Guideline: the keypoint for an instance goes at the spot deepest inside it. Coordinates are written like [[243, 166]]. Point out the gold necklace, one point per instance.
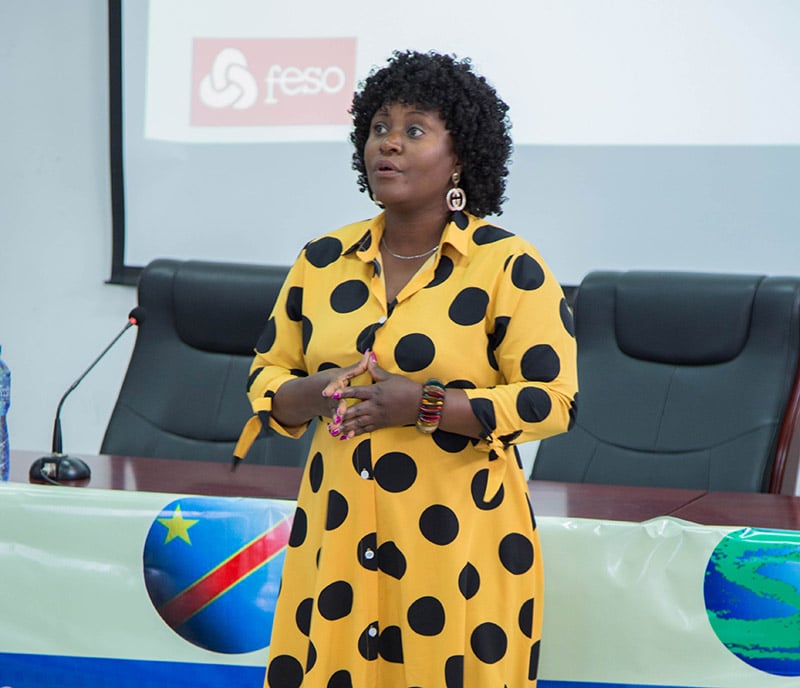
[[399, 257]]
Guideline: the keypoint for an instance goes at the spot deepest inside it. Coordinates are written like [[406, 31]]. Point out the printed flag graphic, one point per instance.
[[212, 569], [752, 595]]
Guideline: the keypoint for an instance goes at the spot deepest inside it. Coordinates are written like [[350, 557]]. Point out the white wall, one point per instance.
[[56, 313]]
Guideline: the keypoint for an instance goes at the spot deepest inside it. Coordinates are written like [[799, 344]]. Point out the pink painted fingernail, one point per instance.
[[374, 357], [337, 395], [337, 419], [335, 432]]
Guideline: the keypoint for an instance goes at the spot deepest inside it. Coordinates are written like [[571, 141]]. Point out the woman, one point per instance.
[[430, 342]]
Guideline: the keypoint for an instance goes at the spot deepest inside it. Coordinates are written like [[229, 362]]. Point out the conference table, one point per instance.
[[642, 583], [566, 500]]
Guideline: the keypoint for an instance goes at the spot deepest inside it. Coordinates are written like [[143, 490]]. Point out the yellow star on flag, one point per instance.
[[177, 526]]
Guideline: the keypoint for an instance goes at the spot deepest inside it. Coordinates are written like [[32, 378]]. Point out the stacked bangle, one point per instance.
[[430, 406]]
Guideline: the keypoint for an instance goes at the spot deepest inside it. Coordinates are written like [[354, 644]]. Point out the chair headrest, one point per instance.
[[683, 318], [222, 307]]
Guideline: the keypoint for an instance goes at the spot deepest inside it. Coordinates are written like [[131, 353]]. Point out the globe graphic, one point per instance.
[[752, 597]]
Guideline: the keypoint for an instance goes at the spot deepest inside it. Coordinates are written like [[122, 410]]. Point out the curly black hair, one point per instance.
[[473, 113]]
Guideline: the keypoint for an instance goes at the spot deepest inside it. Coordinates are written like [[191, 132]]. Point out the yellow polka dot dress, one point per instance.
[[414, 560]]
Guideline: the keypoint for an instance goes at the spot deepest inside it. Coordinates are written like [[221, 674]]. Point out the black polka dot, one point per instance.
[[511, 437], [311, 656], [489, 643], [316, 472], [533, 404], [526, 273], [252, 377], [341, 679], [461, 384], [488, 234], [349, 296], [391, 560], [323, 251], [284, 672], [469, 581], [308, 330], [533, 516], [337, 510], [299, 528], [366, 241], [439, 524], [336, 600], [369, 543], [367, 644], [478, 488], [526, 618], [566, 317], [484, 412], [362, 457], [426, 616], [294, 304], [454, 672], [573, 412], [302, 615], [366, 338], [533, 665], [460, 219], [469, 306], [516, 553], [390, 645], [495, 339], [395, 471], [267, 337], [540, 363], [449, 441], [414, 352], [443, 270]]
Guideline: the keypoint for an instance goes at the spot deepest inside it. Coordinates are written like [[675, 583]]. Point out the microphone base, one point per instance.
[[59, 468]]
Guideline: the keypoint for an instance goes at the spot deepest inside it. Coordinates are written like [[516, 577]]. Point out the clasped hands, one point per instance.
[[391, 400]]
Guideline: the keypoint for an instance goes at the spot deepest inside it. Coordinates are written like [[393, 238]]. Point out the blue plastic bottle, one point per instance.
[[5, 402]]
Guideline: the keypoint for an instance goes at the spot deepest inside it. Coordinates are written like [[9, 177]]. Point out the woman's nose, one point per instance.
[[391, 142]]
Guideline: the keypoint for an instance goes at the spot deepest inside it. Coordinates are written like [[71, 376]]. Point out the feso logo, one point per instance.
[[294, 81], [272, 82]]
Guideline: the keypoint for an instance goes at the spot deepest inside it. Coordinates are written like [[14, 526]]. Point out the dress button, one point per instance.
[[369, 554], [381, 320], [364, 473], [372, 631]]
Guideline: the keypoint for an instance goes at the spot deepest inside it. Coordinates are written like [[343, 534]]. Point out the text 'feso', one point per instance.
[[293, 81], [272, 81]]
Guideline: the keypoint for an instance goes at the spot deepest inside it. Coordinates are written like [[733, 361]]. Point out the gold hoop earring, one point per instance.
[[456, 198]]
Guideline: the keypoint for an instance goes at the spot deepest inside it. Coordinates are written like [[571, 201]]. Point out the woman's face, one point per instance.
[[409, 158]]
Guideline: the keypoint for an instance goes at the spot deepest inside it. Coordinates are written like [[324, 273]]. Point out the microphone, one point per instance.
[[58, 467]]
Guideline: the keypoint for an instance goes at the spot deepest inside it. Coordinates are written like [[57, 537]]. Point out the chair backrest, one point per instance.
[[686, 380], [184, 393]]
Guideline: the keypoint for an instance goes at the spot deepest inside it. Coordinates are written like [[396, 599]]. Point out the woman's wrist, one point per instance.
[[431, 404]]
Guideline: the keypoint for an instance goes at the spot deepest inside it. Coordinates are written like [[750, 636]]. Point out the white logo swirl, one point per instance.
[[229, 84]]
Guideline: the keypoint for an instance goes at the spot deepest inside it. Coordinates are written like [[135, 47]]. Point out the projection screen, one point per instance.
[[630, 119]]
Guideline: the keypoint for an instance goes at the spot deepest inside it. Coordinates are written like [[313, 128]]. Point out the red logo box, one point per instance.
[[272, 81]]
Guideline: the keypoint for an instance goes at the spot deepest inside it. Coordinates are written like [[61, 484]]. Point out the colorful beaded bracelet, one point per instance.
[[430, 406]]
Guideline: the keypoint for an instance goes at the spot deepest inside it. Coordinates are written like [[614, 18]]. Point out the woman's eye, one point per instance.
[[379, 128], [415, 131]]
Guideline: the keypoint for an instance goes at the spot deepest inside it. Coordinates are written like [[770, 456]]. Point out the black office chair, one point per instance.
[[184, 393], [686, 380]]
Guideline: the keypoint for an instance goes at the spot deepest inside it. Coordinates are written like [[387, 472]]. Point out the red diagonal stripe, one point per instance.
[[204, 591]]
